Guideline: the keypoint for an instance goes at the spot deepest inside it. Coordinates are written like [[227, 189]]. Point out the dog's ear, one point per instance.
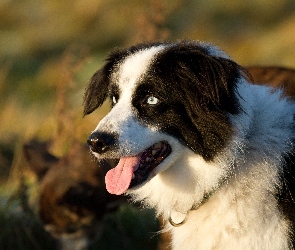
[[211, 85], [207, 82], [38, 157], [210, 93], [206, 87], [96, 91]]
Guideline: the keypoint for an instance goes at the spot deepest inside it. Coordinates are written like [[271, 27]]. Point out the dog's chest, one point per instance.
[[237, 226]]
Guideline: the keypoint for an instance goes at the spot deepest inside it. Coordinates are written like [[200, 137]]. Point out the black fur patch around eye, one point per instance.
[[197, 92]]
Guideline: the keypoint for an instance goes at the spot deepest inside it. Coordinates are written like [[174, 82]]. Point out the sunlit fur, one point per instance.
[[229, 140]]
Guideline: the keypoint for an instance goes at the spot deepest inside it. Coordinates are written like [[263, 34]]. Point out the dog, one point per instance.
[[210, 151], [72, 198]]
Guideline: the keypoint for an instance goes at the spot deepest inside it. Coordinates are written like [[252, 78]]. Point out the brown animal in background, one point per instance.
[[73, 198], [278, 77]]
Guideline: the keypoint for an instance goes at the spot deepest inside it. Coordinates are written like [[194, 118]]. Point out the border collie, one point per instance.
[[212, 153]]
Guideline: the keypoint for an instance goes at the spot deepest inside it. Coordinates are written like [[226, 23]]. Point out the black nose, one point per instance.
[[101, 142]]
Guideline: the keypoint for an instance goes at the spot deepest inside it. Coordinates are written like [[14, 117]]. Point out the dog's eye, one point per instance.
[[152, 100], [114, 99]]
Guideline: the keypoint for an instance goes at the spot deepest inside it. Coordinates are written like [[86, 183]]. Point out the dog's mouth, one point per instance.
[[134, 170]]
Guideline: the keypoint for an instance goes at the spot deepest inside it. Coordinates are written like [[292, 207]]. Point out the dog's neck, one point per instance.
[[184, 216], [187, 185], [238, 211], [197, 205]]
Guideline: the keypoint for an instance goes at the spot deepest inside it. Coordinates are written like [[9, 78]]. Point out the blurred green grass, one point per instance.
[[36, 38], [129, 228], [22, 232]]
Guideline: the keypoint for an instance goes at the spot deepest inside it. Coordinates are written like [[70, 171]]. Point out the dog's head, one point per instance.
[[166, 98]]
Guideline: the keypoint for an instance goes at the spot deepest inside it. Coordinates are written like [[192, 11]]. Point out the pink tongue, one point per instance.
[[118, 179]]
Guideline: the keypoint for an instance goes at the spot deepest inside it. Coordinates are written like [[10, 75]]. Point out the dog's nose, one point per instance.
[[100, 142]]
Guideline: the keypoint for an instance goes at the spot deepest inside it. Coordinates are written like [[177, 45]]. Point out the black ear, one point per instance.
[[207, 82], [213, 83], [211, 96], [96, 91], [206, 86], [38, 157]]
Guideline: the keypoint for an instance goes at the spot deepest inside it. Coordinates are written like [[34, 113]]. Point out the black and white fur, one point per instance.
[[231, 170]]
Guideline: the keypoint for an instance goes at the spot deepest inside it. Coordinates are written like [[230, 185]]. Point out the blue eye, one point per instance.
[[114, 100], [152, 100]]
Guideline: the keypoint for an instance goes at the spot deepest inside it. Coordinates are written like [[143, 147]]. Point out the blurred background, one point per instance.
[[50, 49]]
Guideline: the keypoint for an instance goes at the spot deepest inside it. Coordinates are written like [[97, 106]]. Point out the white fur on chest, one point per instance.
[[211, 230], [243, 214], [239, 216]]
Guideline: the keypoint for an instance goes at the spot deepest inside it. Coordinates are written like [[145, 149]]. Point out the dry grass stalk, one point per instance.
[[72, 61], [150, 25]]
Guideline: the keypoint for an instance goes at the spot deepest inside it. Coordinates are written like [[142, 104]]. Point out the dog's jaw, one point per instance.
[[187, 173], [134, 138], [135, 170]]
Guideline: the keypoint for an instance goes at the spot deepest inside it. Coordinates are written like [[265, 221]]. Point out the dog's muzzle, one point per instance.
[[100, 142]]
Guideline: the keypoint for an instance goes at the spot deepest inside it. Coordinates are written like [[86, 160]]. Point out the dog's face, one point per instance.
[[167, 99]]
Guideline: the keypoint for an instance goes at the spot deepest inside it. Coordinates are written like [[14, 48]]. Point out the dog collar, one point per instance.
[[194, 207], [205, 198]]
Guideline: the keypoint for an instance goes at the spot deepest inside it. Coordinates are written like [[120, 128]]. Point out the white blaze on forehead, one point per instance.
[[133, 137], [134, 67]]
